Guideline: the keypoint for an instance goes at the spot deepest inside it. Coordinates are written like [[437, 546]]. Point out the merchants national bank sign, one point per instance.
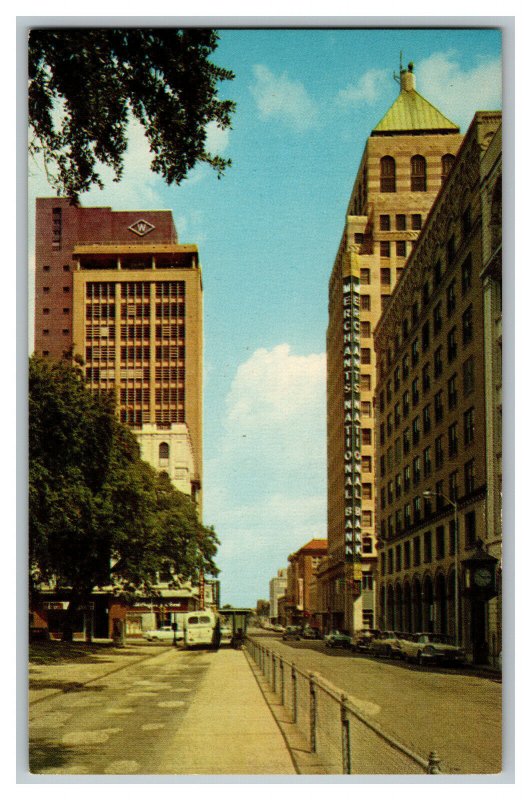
[[352, 421]]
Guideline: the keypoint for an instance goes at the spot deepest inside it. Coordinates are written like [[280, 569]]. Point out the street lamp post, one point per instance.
[[456, 560]]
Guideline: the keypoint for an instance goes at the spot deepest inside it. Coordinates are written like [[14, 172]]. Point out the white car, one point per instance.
[[163, 634], [431, 648]]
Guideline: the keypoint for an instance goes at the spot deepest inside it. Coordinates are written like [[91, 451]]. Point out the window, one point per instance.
[[450, 250], [367, 548], [390, 567], [390, 527], [385, 249], [405, 367], [438, 404], [416, 430], [439, 492], [470, 476], [401, 249], [452, 391], [366, 408], [389, 392], [415, 352], [468, 424], [437, 274], [437, 362], [66, 289], [439, 542], [426, 335], [452, 536], [45, 310], [365, 355], [427, 547], [366, 519], [359, 238], [366, 464], [382, 433], [426, 460], [437, 319], [405, 404], [439, 452], [398, 485], [426, 381], [398, 557], [452, 440], [415, 313], [365, 383], [66, 311], [387, 174], [470, 529], [446, 164], [426, 294], [66, 267], [450, 298], [66, 331], [397, 414], [45, 289], [164, 452], [416, 470], [366, 436], [385, 222], [382, 564], [416, 509], [466, 274], [57, 221], [398, 520], [406, 444], [467, 325], [396, 379], [415, 391], [405, 328], [468, 375], [407, 555], [366, 491], [46, 268], [382, 467], [365, 329], [453, 484], [385, 276], [418, 174], [401, 222], [365, 276], [416, 551], [466, 222], [426, 419], [407, 515], [416, 222], [452, 344], [365, 302], [427, 508]]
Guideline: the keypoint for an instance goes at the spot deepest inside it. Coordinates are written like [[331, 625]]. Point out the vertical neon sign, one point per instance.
[[351, 418]]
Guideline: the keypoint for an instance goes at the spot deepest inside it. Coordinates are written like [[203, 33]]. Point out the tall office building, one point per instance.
[[118, 289], [405, 162]]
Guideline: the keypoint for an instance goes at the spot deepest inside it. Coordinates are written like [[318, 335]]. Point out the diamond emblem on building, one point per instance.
[[141, 227]]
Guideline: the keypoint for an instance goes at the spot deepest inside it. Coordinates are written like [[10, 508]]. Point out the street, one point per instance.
[[447, 710]]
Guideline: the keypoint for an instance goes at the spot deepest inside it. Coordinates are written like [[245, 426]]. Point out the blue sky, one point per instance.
[[268, 233]]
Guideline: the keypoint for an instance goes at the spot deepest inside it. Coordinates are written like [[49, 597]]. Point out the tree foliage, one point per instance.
[[98, 514], [85, 83]]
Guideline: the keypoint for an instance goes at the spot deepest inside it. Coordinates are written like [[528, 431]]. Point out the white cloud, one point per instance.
[[265, 491], [277, 96], [217, 139], [460, 92], [365, 90]]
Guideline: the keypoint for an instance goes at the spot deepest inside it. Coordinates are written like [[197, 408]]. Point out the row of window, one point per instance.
[[400, 222], [421, 548], [400, 249], [385, 276], [46, 290], [418, 172], [422, 508]]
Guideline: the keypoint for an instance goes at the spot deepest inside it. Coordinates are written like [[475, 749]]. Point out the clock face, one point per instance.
[[482, 576]]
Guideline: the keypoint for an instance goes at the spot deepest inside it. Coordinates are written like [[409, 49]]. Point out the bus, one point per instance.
[[202, 629]]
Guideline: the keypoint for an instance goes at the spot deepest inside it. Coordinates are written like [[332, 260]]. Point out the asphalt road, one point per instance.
[[122, 723], [456, 713]]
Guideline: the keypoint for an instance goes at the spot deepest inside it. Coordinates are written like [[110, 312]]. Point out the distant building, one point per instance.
[[407, 158], [302, 567], [438, 401], [118, 289], [277, 588]]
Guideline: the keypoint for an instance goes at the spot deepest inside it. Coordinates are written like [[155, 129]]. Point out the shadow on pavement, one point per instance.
[[48, 653], [64, 686]]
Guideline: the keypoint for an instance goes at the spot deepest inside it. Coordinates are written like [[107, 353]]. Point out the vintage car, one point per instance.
[[387, 643], [338, 639], [163, 634], [292, 632], [362, 640], [431, 648], [311, 633]]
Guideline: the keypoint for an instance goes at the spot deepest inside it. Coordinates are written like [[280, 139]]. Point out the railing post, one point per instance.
[[281, 680], [313, 715], [345, 736], [274, 682], [294, 691], [434, 764]]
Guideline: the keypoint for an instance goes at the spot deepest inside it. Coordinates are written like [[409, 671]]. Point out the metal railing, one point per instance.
[[345, 740]]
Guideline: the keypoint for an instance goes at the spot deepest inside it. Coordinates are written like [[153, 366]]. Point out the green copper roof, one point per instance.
[[412, 112]]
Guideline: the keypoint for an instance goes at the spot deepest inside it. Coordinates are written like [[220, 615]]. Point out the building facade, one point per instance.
[[433, 484], [277, 588], [302, 566], [118, 289], [406, 160]]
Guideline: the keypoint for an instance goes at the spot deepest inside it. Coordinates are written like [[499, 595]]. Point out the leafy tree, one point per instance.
[[98, 514], [95, 78]]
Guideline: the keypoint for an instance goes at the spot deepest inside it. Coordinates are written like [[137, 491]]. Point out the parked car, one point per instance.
[[311, 633], [292, 632], [279, 628], [163, 634], [431, 648], [362, 640], [387, 643], [338, 639]]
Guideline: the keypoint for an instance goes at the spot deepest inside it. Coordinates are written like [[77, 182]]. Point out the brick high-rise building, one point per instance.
[[117, 289], [405, 162]]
